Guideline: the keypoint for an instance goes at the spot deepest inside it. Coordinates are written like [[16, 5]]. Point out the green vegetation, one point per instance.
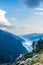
[[37, 49], [33, 45], [28, 55], [38, 60], [39, 46]]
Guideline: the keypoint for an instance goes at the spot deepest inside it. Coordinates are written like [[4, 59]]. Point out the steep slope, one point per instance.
[[38, 60], [10, 46]]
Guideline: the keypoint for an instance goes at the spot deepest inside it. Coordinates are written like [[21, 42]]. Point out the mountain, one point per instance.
[[10, 46], [33, 36], [33, 58]]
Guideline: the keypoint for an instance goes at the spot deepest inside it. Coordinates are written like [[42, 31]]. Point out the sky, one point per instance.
[[18, 13]]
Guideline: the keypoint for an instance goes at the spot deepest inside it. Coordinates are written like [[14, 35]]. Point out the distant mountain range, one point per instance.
[[33, 36], [29, 38], [10, 46]]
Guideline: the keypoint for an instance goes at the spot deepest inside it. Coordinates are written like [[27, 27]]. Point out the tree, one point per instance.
[[39, 45], [33, 45]]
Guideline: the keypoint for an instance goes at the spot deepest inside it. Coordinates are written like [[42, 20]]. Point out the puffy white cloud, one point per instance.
[[3, 20]]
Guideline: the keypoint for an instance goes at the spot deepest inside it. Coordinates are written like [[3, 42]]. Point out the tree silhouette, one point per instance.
[[39, 45], [33, 45]]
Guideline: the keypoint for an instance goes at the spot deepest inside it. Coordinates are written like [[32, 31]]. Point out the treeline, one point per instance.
[[38, 47]]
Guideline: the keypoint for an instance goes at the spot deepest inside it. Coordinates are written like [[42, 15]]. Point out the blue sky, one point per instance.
[[18, 13], [21, 12]]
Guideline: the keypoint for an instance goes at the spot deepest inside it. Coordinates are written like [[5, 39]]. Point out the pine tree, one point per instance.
[[33, 45], [39, 45]]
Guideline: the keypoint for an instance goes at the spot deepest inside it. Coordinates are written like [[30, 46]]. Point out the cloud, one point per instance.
[[3, 20], [39, 9], [22, 30], [33, 3], [38, 13], [14, 19]]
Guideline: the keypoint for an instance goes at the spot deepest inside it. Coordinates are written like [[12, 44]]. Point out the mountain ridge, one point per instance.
[[33, 36], [10, 47]]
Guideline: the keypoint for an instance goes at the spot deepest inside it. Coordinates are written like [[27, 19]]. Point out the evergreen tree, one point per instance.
[[33, 45], [39, 45]]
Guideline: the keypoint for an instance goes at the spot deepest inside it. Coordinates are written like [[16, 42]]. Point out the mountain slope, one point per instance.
[[10, 46]]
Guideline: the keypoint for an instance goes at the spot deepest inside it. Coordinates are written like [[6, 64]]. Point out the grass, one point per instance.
[[38, 60]]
